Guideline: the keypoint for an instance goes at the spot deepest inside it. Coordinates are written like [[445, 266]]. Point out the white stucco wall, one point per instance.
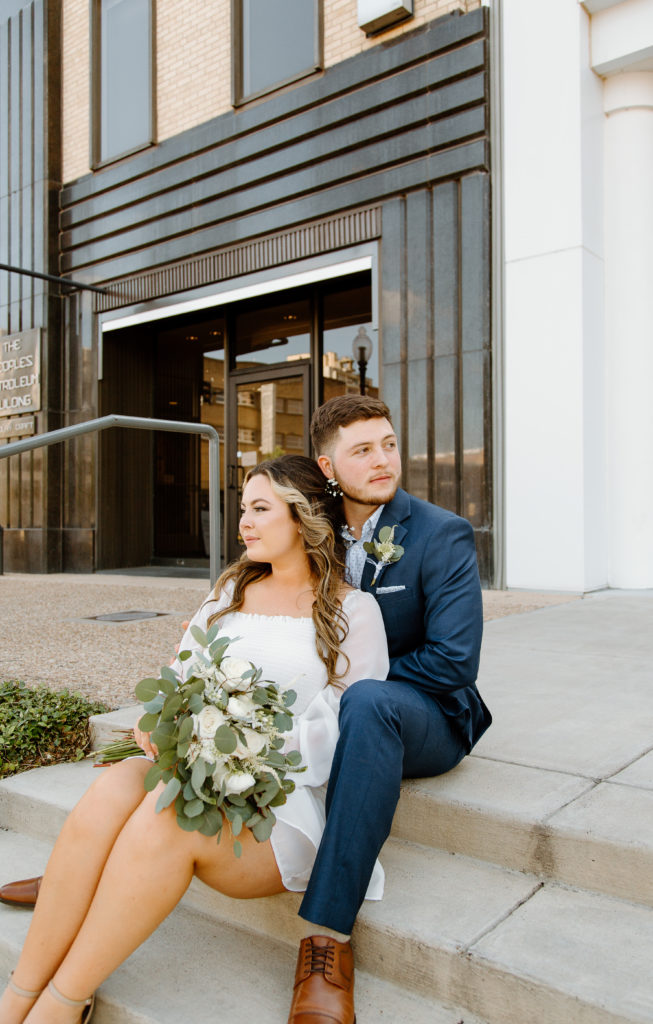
[[578, 322]]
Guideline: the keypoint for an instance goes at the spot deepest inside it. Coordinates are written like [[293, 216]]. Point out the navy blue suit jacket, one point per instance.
[[432, 609]]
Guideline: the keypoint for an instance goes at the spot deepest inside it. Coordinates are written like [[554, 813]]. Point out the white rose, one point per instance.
[[208, 722], [238, 782], [255, 743], [241, 707], [231, 671]]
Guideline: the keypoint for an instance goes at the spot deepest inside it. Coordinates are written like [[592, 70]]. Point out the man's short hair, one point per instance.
[[340, 412]]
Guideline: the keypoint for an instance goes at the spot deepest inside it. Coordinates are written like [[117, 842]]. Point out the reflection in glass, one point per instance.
[[275, 333], [278, 43], [126, 76]]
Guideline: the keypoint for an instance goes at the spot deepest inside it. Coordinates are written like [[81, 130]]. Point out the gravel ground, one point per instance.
[[47, 635]]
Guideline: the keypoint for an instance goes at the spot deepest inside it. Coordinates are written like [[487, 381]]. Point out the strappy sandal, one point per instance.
[[88, 1004], [17, 990]]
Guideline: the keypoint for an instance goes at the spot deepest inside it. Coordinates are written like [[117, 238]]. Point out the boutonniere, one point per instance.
[[384, 550]]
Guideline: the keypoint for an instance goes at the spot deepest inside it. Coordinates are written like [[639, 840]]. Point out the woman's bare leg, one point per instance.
[[71, 877], [147, 872]]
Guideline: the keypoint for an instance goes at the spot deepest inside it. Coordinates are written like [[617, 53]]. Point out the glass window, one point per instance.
[[278, 41], [122, 77]]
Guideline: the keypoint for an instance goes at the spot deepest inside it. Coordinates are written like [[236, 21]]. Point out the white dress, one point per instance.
[[284, 647]]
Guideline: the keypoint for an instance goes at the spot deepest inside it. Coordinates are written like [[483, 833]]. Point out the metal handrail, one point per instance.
[[142, 423]]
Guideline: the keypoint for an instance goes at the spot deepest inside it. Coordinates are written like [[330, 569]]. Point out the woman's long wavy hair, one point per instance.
[[299, 482]]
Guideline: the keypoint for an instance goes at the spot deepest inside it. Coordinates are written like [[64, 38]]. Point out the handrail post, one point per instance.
[[142, 423]]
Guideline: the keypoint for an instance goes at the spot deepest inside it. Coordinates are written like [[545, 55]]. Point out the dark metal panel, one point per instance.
[[445, 268], [5, 221], [224, 195], [392, 255], [417, 471], [31, 123], [362, 192], [453, 34], [372, 111], [445, 402], [475, 267]]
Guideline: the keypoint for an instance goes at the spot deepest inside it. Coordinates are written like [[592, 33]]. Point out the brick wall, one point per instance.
[[76, 100], [193, 62]]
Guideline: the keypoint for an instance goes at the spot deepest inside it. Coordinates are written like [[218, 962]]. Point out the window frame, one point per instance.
[[96, 159], [238, 97]]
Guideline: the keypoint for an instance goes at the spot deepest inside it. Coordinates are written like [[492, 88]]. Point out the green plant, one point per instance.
[[40, 726]]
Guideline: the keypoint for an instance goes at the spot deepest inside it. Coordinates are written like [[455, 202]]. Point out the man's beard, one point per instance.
[[362, 498]]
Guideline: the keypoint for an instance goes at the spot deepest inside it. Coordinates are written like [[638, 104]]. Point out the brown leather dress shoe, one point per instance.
[[324, 983], [22, 893]]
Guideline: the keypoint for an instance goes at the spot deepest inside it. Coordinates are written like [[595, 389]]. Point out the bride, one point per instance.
[[118, 868]]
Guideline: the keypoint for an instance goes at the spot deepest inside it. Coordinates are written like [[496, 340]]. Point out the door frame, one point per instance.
[[301, 369]]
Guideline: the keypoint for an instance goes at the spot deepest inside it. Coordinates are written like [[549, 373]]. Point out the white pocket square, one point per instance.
[[389, 590]]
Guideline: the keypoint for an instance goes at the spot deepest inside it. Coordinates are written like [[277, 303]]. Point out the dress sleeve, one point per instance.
[[315, 732]]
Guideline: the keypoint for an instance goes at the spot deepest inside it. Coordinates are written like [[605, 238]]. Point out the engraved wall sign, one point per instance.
[[23, 427], [20, 373]]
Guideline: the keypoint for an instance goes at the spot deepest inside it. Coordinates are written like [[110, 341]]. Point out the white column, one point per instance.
[[628, 104], [554, 414]]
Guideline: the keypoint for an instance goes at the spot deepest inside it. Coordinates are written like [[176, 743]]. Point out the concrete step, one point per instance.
[[556, 825], [451, 928], [206, 961]]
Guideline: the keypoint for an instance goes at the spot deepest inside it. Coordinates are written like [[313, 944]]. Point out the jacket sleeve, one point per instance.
[[448, 658]]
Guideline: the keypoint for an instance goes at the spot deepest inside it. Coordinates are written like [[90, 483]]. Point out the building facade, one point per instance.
[[463, 185], [249, 208]]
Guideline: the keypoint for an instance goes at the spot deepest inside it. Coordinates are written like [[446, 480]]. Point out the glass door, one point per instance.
[[269, 415]]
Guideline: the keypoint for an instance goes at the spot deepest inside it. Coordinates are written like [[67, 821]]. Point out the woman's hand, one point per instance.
[[143, 740]]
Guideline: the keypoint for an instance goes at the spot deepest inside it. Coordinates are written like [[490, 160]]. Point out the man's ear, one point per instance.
[[324, 462]]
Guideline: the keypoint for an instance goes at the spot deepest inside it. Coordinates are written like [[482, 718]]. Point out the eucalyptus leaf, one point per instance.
[[289, 698], [168, 673], [171, 707], [147, 689], [237, 800], [188, 792], [195, 703], [237, 825], [259, 695], [282, 721], [169, 793], [188, 824], [148, 722], [154, 706], [294, 757], [212, 632], [185, 655], [167, 687], [185, 730], [238, 849], [199, 773], [193, 808], [196, 686], [212, 822], [225, 740], [199, 635], [263, 829], [153, 778], [167, 758], [279, 799], [385, 533]]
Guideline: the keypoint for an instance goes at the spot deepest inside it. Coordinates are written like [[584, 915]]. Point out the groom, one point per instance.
[[422, 720]]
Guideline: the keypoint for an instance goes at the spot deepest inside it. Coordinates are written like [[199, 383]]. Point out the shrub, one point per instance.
[[41, 727]]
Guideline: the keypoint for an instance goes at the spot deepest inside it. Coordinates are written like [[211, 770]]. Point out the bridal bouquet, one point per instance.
[[218, 732]]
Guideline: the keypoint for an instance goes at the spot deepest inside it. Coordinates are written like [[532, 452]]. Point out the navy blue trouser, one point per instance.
[[388, 731]]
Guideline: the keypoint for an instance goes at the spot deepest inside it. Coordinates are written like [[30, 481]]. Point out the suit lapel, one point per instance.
[[394, 513]]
